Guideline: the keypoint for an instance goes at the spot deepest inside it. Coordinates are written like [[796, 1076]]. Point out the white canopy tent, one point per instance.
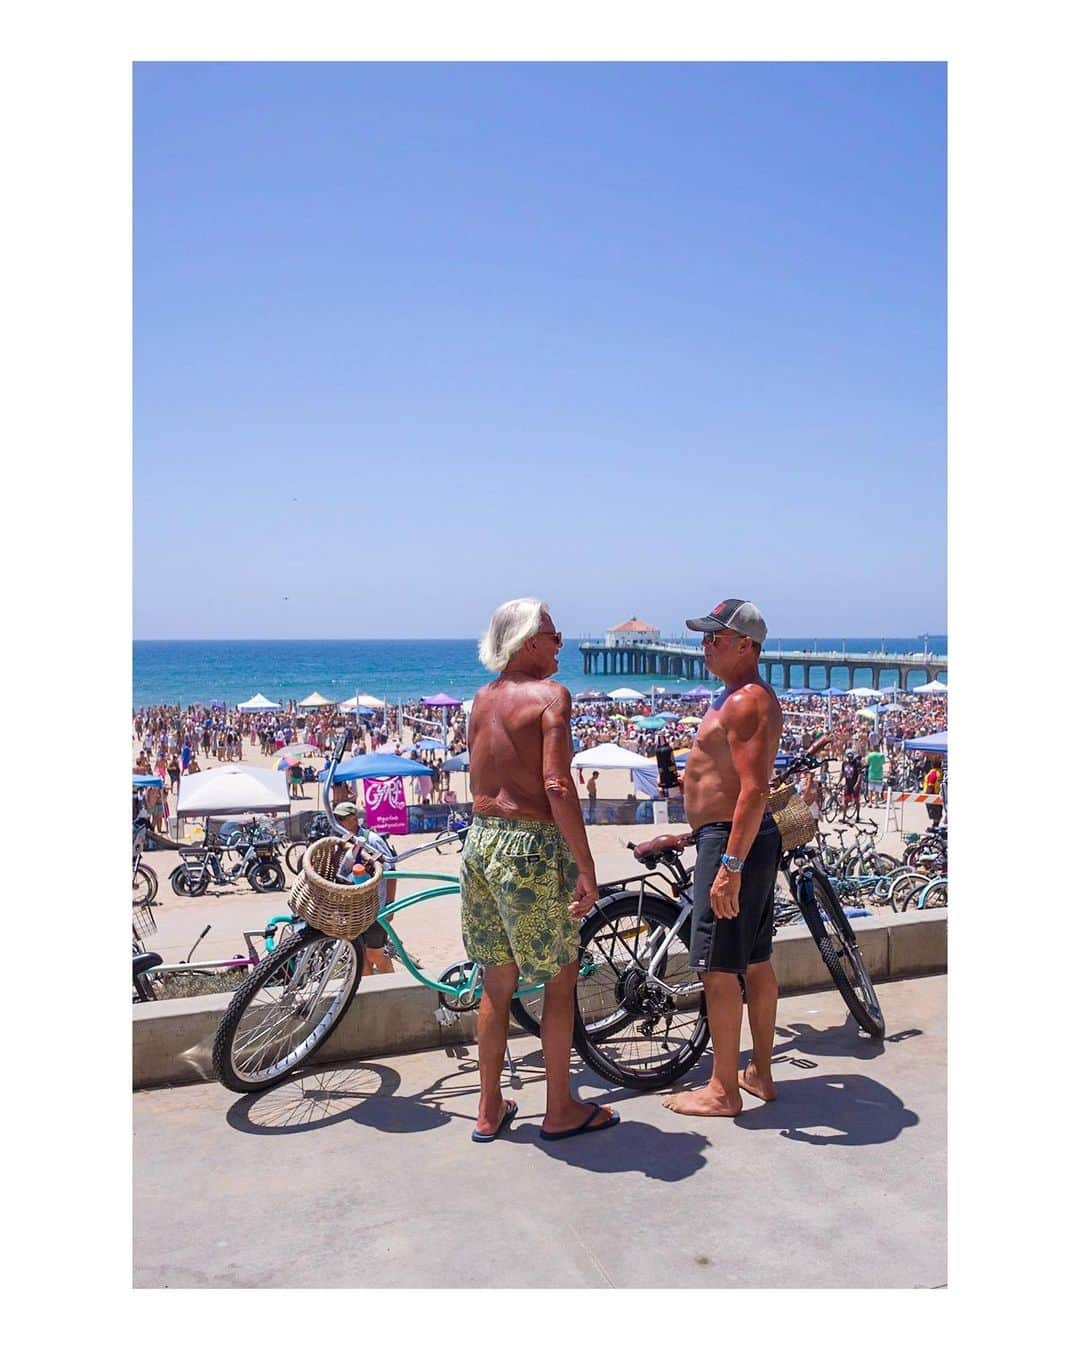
[[315, 700], [934, 687], [260, 703], [626, 695], [361, 701], [862, 692], [232, 789], [610, 756]]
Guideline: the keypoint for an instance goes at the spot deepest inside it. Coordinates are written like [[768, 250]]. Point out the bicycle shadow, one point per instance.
[[846, 1109], [319, 1097]]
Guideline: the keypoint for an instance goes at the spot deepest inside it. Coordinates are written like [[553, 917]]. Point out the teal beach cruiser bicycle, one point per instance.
[[292, 1001]]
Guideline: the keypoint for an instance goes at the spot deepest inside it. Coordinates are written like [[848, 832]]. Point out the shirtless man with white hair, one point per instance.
[[527, 874]]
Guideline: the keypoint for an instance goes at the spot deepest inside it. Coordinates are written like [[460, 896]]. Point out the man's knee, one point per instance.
[[500, 983], [760, 973]]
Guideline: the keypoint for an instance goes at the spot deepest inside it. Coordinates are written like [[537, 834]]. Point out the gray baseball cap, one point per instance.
[[739, 615]]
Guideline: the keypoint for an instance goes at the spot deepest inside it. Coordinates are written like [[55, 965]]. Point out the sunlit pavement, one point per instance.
[[364, 1175]]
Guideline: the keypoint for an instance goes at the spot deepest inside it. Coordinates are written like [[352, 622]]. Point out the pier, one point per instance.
[[678, 660]]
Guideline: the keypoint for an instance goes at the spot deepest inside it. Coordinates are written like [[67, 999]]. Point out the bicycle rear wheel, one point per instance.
[[835, 938], [294, 856], [635, 1031], [285, 1010]]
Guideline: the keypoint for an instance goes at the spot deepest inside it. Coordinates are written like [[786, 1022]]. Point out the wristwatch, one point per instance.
[[730, 861]]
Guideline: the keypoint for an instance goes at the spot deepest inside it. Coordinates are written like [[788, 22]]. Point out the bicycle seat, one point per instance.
[[663, 843], [143, 962]]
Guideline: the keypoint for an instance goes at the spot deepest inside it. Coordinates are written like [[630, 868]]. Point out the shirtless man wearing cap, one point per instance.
[[527, 874], [725, 787]]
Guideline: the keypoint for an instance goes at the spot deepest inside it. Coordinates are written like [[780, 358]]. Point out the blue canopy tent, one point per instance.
[[937, 744], [430, 743], [832, 691], [376, 766], [459, 763], [141, 780]]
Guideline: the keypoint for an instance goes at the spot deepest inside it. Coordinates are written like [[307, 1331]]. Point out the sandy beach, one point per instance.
[[430, 931]]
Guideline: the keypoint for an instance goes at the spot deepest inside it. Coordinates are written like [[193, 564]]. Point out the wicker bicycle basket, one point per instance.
[[793, 817], [340, 910]]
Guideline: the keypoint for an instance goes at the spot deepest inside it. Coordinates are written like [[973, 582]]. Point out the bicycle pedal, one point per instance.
[[445, 1016]]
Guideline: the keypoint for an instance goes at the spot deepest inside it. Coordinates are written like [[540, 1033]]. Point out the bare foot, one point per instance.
[[577, 1113], [706, 1101], [751, 1081]]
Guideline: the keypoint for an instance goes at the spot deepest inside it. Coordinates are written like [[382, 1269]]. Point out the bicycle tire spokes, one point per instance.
[[635, 1029]]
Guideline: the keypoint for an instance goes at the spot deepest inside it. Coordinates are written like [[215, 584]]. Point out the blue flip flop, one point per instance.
[[586, 1127], [508, 1115]]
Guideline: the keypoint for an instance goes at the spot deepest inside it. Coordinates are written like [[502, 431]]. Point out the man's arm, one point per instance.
[[752, 754], [563, 798]]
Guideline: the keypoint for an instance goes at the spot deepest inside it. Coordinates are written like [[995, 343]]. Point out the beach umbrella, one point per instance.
[[891, 707], [287, 762], [590, 694], [617, 717], [440, 701], [610, 756], [300, 748], [626, 695], [650, 723], [690, 721], [867, 712], [670, 717], [699, 692]]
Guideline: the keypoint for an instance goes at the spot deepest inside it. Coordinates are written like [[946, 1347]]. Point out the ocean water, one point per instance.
[[397, 670]]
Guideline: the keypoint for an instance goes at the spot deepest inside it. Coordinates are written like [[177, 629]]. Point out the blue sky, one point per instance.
[[412, 339]]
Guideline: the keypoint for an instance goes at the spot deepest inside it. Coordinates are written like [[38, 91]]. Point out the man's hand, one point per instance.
[[724, 893], [585, 896]]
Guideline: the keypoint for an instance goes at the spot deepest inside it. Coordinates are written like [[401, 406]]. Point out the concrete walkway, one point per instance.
[[364, 1175]]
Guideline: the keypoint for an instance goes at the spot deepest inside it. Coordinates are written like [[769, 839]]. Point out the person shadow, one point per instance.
[[843, 1109]]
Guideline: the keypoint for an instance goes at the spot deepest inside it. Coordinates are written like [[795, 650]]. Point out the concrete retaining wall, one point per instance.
[[172, 1040]]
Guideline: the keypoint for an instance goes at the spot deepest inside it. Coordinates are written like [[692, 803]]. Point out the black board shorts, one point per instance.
[[733, 944]]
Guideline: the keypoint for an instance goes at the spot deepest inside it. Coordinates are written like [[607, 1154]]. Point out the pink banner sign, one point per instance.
[[385, 808]]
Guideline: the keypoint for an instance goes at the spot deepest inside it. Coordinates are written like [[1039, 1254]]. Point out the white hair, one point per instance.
[[511, 624]]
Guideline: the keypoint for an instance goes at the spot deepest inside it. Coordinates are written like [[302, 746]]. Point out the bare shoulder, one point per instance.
[[748, 708], [554, 699]]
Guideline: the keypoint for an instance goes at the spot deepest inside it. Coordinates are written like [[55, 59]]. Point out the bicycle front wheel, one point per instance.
[[835, 938], [285, 1010], [294, 856], [638, 1031], [144, 885]]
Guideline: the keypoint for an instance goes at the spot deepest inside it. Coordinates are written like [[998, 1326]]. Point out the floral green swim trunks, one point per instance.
[[517, 882]]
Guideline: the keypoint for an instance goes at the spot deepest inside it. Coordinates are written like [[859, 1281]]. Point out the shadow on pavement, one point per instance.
[[362, 1093], [847, 1109], [632, 1146]]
